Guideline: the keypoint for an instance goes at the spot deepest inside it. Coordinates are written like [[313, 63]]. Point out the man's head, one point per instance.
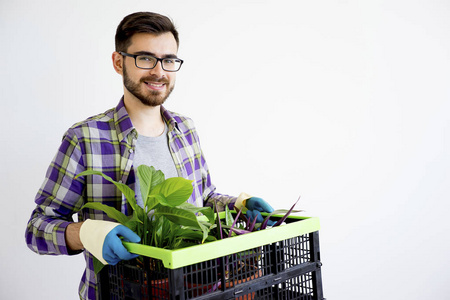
[[152, 36]]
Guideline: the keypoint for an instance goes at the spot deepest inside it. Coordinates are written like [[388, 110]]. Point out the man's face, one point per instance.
[[152, 87]]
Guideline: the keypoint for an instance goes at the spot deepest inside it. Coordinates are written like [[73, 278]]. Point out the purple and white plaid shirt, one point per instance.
[[106, 142]]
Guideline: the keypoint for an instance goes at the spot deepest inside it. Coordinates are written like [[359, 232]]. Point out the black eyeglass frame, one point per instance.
[[157, 60]]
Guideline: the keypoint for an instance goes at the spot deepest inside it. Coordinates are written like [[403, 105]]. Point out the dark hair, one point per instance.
[[142, 22]]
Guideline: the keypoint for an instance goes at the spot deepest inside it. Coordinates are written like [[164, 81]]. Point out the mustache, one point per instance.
[[154, 79]]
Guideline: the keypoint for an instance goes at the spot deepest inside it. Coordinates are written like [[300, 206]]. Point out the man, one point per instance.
[[138, 131]]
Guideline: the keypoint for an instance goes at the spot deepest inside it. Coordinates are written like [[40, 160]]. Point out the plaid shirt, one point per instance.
[[106, 142]]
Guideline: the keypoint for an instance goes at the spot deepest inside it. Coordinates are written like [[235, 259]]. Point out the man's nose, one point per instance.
[[158, 70]]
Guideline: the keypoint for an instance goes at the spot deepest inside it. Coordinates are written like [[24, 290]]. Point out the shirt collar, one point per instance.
[[122, 121], [124, 126], [170, 118]]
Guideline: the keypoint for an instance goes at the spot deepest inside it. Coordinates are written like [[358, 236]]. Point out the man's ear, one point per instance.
[[117, 59]]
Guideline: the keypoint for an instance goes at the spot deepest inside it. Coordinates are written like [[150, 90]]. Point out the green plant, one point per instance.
[[166, 220]]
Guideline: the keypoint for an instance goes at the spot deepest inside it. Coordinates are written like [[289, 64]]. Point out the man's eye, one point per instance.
[[146, 58], [169, 61]]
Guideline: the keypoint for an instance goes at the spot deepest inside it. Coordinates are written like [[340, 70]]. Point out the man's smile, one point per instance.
[[155, 85]]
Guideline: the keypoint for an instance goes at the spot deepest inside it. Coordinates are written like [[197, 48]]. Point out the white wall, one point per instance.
[[343, 102]]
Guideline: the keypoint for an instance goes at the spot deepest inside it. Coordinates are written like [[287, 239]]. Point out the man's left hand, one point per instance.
[[255, 206]]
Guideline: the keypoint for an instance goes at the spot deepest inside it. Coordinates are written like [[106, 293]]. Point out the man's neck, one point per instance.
[[146, 119]]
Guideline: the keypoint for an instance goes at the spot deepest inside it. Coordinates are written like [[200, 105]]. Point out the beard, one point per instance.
[[149, 98]]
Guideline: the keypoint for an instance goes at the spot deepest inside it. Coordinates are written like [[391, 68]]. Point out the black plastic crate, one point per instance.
[[286, 269]]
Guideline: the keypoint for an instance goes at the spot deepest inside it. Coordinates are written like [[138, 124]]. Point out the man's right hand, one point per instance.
[[103, 240]]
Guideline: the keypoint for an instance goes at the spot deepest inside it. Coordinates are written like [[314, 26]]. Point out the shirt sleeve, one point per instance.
[[210, 196], [59, 197], [220, 200]]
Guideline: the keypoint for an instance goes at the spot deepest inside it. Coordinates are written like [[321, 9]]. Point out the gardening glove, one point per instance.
[[102, 239], [254, 207]]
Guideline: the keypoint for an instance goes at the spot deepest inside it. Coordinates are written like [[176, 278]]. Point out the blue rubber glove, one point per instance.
[[113, 249], [102, 239], [255, 206]]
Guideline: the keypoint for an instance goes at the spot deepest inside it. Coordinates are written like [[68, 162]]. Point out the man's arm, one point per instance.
[[219, 200], [210, 196], [72, 236], [59, 197]]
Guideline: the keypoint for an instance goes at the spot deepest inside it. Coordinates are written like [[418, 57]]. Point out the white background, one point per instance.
[[345, 103]]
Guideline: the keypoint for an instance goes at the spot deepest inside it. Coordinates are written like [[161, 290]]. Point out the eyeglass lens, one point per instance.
[[149, 62]]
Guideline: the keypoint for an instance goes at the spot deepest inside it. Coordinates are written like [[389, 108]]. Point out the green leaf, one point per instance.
[[128, 192], [206, 210], [98, 265], [149, 177], [154, 200], [110, 211], [178, 216], [229, 220], [145, 174], [175, 190], [205, 232], [158, 177], [196, 235], [133, 223], [210, 226]]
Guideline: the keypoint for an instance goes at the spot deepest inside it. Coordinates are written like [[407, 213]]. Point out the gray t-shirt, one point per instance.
[[153, 151]]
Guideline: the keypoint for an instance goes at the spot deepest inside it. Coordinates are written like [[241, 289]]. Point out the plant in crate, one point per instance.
[[242, 266], [166, 220]]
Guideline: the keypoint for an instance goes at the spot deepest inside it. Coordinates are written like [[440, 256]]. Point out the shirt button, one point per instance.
[[131, 150]]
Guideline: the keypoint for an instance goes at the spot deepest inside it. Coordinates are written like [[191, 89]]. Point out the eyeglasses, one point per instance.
[[149, 62]]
